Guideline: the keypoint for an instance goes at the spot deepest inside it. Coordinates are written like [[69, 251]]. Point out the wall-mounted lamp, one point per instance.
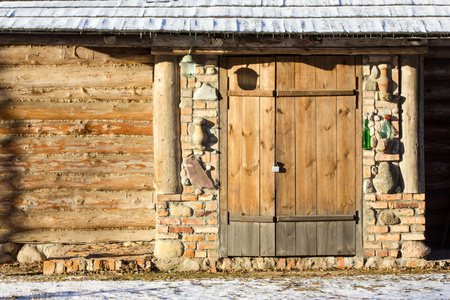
[[188, 63]]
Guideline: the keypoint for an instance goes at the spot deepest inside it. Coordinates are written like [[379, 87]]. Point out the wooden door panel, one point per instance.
[[312, 134]]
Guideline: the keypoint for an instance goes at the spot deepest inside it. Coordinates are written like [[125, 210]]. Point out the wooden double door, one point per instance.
[[294, 156]]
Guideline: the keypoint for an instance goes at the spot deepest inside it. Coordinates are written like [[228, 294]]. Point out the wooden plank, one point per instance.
[[345, 140], [264, 50], [306, 93], [244, 93], [85, 219], [76, 200], [79, 236], [252, 219], [62, 55], [250, 171], [306, 238], [32, 110], [82, 182], [77, 127], [326, 78], [285, 153], [183, 42], [99, 164], [75, 76], [306, 157], [55, 145], [358, 160], [141, 93], [315, 218], [223, 159], [234, 162], [267, 155]]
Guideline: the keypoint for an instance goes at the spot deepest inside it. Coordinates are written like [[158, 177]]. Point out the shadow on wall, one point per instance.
[[11, 174]]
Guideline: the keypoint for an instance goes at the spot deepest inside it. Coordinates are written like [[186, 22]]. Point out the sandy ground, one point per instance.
[[393, 286]]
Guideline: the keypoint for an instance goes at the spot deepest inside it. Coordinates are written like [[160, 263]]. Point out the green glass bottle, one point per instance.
[[366, 134]]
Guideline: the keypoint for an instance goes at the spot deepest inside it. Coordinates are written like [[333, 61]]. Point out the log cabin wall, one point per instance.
[[437, 144], [76, 144]]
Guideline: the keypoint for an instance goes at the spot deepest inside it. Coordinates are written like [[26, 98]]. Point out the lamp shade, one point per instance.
[[188, 66]]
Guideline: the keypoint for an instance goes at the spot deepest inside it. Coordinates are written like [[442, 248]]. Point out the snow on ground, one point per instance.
[[419, 286]]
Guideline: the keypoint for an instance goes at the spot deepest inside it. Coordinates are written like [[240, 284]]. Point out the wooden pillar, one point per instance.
[[166, 128], [411, 125]]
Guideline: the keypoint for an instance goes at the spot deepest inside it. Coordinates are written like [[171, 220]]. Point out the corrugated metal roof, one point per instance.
[[411, 17]]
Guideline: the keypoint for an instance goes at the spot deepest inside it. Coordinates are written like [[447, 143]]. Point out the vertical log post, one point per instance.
[[166, 126], [411, 115]]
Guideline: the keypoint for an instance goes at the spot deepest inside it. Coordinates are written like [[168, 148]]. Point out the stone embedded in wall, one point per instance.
[[190, 265], [370, 81], [385, 145], [197, 175], [387, 178], [179, 210], [29, 254], [415, 249], [388, 217], [368, 186], [168, 248], [205, 92], [6, 258], [10, 248], [369, 216]]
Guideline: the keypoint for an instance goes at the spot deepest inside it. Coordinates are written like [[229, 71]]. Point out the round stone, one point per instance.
[[387, 179], [387, 217], [415, 249], [168, 249], [179, 210]]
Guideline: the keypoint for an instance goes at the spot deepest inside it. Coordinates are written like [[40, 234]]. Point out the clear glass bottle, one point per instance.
[[385, 130]]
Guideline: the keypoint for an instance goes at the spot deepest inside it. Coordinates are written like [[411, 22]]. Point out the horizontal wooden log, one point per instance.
[[76, 200], [32, 110], [75, 76], [79, 236], [436, 68], [438, 52], [85, 219], [63, 55], [100, 164], [433, 181], [21, 182], [54, 145], [438, 168], [168, 50], [78, 128], [86, 40], [236, 42], [144, 94], [436, 111]]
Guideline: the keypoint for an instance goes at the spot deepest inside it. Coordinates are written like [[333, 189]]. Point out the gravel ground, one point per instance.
[[377, 286]]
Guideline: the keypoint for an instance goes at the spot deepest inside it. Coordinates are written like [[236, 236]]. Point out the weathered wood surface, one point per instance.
[[79, 236], [58, 144], [318, 158], [76, 142], [436, 142], [93, 164], [114, 110], [84, 219], [143, 93], [166, 125], [65, 55], [76, 128], [23, 182], [19, 77], [85, 40], [410, 123], [43, 200]]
